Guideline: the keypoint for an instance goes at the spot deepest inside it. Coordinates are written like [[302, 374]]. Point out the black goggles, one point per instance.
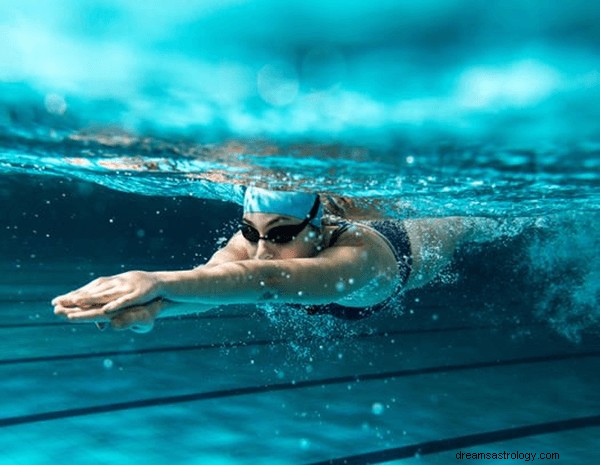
[[280, 234]]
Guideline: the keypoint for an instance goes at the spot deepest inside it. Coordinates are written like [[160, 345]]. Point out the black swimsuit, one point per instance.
[[394, 232]]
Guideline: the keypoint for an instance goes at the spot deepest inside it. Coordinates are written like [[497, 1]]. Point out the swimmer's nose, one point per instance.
[[264, 250]]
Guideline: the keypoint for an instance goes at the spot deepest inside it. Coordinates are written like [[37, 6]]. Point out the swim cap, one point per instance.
[[296, 204]]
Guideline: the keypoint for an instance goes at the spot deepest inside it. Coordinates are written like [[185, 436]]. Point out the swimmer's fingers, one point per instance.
[[78, 296], [91, 285], [74, 306], [126, 289], [81, 315], [98, 298], [66, 299], [128, 300], [82, 298], [98, 312], [64, 312], [98, 295]]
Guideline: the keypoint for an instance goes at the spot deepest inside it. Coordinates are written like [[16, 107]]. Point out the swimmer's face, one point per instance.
[[304, 245]]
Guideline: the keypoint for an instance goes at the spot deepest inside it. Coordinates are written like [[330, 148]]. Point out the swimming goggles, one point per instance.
[[280, 234]]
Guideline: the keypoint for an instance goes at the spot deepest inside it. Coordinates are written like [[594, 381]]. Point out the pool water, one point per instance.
[[460, 358], [127, 133], [234, 387]]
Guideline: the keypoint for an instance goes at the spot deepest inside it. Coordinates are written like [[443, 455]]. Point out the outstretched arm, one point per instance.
[[338, 273], [87, 301], [139, 318]]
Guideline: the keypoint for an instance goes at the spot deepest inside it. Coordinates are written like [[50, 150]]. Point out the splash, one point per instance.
[[565, 266], [309, 336]]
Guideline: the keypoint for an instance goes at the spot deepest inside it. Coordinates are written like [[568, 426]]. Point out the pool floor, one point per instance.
[[241, 385]]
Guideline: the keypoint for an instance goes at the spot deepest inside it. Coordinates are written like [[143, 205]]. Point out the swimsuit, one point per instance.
[[395, 235]]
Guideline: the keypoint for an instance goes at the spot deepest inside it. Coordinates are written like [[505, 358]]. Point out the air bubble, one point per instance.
[[377, 408], [55, 104], [304, 443], [278, 84]]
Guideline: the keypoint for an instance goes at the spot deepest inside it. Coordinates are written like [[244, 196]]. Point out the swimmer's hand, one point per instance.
[[105, 296], [139, 318]]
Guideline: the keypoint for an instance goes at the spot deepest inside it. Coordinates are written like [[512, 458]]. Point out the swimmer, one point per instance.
[[286, 251]]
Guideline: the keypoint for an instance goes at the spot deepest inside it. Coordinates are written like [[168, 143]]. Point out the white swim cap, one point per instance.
[[296, 204]]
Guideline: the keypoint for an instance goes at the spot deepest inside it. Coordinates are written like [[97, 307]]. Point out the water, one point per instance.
[[126, 131]]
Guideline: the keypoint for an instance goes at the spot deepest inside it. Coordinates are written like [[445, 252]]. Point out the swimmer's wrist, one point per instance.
[[163, 280], [174, 284]]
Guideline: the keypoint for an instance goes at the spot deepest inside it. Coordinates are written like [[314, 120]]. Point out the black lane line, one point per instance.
[[216, 345], [462, 442], [203, 316], [75, 325], [170, 400], [32, 325], [233, 345], [48, 324]]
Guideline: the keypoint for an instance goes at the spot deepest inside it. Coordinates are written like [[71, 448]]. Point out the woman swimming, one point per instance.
[[286, 252]]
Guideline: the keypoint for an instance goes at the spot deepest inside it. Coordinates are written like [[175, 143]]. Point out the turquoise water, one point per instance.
[[126, 131]]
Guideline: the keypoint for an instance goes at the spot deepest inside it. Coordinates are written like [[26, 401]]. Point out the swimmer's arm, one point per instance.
[[128, 316], [233, 251], [87, 303], [331, 276], [340, 273]]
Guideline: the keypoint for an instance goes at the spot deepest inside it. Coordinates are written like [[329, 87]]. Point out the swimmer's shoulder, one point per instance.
[[234, 250], [352, 234]]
